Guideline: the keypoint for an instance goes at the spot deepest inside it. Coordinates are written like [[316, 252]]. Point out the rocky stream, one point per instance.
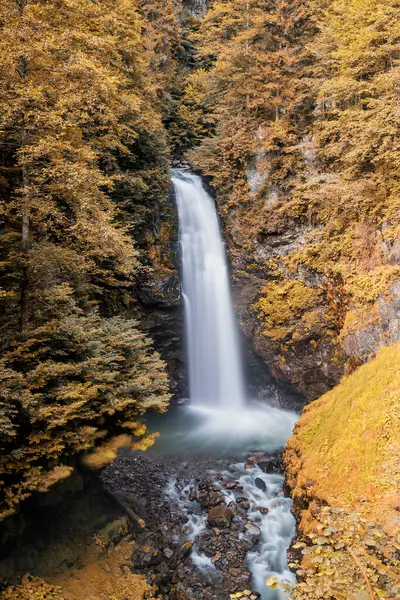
[[209, 527]]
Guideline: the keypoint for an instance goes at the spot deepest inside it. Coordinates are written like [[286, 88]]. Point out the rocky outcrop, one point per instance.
[[197, 8], [158, 292], [306, 363], [311, 322], [368, 329]]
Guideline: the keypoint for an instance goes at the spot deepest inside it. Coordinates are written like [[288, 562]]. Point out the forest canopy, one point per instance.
[[83, 164]]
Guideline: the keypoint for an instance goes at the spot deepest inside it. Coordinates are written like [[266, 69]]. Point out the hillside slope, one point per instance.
[[343, 470]]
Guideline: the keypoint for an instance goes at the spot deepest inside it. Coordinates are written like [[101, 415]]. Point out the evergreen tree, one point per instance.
[[66, 387]]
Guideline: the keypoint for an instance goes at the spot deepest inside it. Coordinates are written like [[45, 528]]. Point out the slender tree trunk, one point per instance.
[[24, 290], [24, 287]]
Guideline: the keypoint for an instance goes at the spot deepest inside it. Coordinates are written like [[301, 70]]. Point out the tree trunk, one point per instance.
[[24, 288]]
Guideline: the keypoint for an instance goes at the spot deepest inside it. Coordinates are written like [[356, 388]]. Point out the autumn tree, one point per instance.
[[83, 156], [73, 383], [71, 109], [254, 90]]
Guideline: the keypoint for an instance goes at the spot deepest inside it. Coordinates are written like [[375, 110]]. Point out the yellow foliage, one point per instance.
[[33, 588], [101, 378], [282, 303], [348, 442], [342, 466], [107, 452]]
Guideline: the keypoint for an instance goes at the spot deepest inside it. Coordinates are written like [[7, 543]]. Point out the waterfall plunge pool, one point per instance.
[[191, 430]]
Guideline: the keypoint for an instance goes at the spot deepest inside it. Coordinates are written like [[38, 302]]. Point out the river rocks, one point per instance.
[[199, 526], [260, 483], [230, 485], [208, 495], [252, 530], [243, 503], [168, 553], [220, 516], [263, 510]]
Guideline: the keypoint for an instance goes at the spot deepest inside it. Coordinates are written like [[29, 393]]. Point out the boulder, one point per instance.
[[220, 516]]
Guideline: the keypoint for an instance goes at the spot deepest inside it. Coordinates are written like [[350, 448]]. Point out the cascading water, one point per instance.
[[219, 418], [215, 370]]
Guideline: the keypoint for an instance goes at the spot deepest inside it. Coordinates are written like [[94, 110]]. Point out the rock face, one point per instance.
[[309, 324], [158, 295], [376, 327], [306, 367]]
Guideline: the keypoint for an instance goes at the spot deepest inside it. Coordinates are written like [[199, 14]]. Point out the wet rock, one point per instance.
[[186, 548], [192, 494], [257, 458], [260, 483], [146, 557], [252, 530], [243, 503], [220, 516], [208, 496], [230, 485], [216, 558], [217, 532], [271, 463], [263, 510]]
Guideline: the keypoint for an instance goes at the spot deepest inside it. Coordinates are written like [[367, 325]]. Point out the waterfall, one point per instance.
[[215, 369]]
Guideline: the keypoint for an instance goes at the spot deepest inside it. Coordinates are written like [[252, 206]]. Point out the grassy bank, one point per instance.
[[343, 469]]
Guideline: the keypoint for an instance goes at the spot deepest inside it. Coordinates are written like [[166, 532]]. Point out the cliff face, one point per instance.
[[197, 8], [158, 294], [310, 319]]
